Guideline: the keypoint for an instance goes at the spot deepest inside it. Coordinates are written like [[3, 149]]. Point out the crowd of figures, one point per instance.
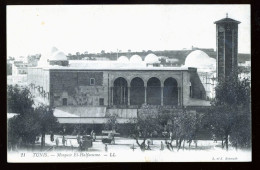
[[84, 141]]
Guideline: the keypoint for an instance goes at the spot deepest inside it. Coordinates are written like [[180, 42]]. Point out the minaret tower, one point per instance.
[[227, 44]]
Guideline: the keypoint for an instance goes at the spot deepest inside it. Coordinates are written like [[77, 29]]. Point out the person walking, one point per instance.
[[162, 146], [94, 136], [52, 137], [57, 141], [78, 138], [63, 140]]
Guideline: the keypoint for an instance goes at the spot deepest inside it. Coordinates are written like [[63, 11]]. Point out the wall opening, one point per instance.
[[137, 91], [154, 91], [64, 101], [120, 96], [170, 92]]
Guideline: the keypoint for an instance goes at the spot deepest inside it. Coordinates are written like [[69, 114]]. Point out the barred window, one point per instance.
[[92, 81]]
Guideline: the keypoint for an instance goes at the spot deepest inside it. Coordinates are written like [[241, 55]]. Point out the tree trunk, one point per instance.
[[226, 142], [183, 144], [43, 140], [222, 143], [179, 144], [142, 145]]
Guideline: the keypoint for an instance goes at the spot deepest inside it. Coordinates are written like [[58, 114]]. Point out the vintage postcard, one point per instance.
[[129, 83]]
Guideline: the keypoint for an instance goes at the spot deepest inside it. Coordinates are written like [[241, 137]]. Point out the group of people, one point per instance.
[[80, 139], [57, 141]]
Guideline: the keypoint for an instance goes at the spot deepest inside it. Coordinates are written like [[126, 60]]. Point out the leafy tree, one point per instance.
[[46, 121], [24, 127], [19, 100], [146, 124], [183, 124], [111, 123], [231, 109], [30, 121]]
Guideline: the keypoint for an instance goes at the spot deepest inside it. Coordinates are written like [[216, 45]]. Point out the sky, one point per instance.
[[35, 29]]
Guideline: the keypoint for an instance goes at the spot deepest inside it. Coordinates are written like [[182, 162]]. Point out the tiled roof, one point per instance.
[[227, 20]]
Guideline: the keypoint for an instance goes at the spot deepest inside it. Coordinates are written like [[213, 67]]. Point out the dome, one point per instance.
[[200, 60], [53, 55], [151, 58], [53, 50], [123, 59], [135, 59], [58, 55]]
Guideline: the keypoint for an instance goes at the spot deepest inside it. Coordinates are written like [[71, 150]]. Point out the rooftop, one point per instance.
[[227, 20], [117, 68]]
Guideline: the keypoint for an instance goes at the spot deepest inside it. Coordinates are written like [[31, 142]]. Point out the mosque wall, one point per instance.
[[198, 89], [75, 87]]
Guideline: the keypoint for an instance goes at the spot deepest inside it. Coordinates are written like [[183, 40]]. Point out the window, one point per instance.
[[92, 81], [64, 101], [101, 101]]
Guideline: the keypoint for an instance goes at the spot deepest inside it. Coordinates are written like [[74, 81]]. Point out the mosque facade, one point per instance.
[[89, 90]]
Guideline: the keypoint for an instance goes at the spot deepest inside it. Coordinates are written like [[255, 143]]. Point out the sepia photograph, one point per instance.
[[129, 83]]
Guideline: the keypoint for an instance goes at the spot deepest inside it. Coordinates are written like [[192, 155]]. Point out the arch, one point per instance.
[[137, 93], [170, 92], [154, 91], [120, 94]]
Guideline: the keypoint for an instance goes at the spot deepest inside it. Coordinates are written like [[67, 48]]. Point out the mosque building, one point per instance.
[[87, 91]]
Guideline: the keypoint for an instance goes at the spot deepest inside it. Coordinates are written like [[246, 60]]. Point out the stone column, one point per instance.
[[128, 96], [162, 96], [112, 94], [179, 96], [145, 88]]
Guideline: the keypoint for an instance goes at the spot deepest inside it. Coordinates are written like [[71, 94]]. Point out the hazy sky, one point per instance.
[[35, 29]]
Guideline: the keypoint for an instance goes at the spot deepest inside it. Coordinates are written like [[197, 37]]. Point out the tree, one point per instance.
[[23, 126], [111, 123], [46, 121], [230, 110], [183, 124], [146, 124], [30, 121], [19, 100]]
